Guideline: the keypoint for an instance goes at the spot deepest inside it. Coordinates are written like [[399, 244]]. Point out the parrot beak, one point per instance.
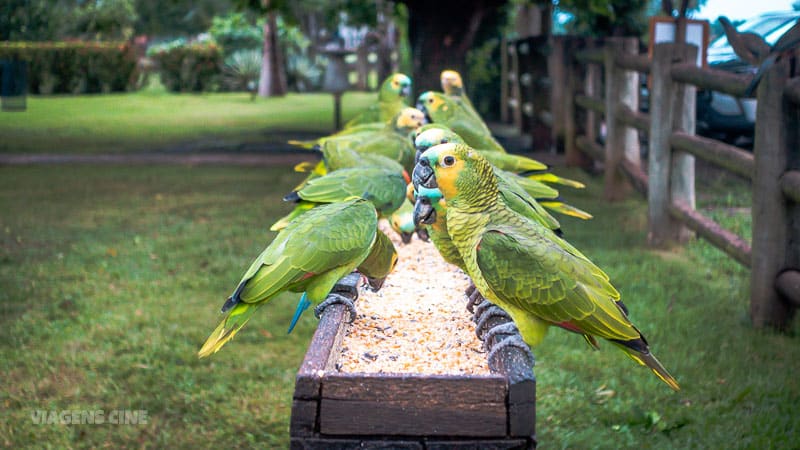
[[419, 153], [421, 107], [375, 284], [405, 91], [422, 233], [423, 175], [406, 237], [423, 212]]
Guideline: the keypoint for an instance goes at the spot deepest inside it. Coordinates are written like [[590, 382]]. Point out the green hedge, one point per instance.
[[194, 67], [75, 67]]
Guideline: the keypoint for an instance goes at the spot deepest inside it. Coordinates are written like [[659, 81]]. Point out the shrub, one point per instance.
[[75, 67], [188, 67], [242, 70]]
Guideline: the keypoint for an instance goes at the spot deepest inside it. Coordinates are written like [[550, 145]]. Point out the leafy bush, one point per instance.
[[235, 32], [75, 67], [242, 70], [188, 67]]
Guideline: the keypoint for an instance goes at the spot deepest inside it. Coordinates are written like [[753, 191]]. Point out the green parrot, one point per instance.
[[335, 157], [522, 266], [386, 189], [392, 97], [402, 222], [453, 86], [524, 187], [353, 133], [405, 121], [440, 108], [309, 256], [435, 133]]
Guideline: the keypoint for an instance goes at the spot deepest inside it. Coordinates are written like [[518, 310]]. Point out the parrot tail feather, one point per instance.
[[563, 208], [228, 328], [309, 145], [637, 350], [548, 177]]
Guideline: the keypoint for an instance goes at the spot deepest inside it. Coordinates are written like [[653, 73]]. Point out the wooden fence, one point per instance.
[[599, 84]]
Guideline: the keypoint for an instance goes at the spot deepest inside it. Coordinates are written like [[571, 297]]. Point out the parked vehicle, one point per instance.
[[725, 117]]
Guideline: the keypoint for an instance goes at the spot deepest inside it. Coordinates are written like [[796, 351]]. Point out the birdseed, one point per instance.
[[417, 322]]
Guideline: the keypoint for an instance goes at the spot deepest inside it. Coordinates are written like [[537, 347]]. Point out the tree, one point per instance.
[[442, 32]]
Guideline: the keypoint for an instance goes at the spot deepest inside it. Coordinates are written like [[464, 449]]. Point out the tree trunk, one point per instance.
[[441, 33], [272, 82]]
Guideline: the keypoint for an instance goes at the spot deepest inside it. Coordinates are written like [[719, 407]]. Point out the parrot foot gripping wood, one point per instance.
[[334, 409]]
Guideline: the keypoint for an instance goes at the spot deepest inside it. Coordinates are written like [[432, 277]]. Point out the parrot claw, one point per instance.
[[488, 317], [423, 235], [507, 329], [333, 299], [500, 352], [473, 298]]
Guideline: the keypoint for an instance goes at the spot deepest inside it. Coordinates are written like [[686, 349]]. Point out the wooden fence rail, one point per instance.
[[667, 181]]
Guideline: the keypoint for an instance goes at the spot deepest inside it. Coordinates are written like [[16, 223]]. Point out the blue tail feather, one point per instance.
[[302, 305]]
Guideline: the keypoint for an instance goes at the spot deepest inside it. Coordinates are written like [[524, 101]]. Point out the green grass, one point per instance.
[[153, 119], [112, 277]]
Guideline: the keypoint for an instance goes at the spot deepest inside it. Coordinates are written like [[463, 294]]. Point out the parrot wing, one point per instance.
[[537, 276]]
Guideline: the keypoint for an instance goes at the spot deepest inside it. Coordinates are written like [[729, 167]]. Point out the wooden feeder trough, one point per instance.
[[337, 410]]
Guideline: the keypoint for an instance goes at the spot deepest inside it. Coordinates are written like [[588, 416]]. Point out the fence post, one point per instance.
[[591, 88], [772, 240], [557, 73], [671, 177], [504, 80], [621, 141]]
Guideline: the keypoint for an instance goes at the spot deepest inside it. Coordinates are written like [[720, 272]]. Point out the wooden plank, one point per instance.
[[636, 176], [413, 405], [494, 444], [522, 407], [635, 62], [727, 156], [362, 417], [591, 148], [790, 185], [664, 106], [729, 242], [590, 55], [792, 90], [516, 366], [711, 79], [303, 421], [434, 390], [352, 444], [622, 87], [772, 240], [681, 177], [635, 119], [591, 103], [788, 285], [324, 346]]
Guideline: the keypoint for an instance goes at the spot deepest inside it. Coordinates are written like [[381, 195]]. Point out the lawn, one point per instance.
[[155, 120], [112, 278]]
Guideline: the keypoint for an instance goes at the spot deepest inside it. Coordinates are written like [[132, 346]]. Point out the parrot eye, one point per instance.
[[430, 100], [448, 161]]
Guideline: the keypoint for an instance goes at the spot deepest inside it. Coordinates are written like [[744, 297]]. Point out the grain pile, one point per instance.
[[417, 322]]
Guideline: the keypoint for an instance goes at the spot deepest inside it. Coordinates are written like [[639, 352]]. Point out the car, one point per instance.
[[722, 116]]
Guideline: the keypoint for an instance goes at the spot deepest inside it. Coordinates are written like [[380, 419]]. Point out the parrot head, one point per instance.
[[453, 168], [436, 106], [451, 83], [395, 85], [402, 222], [380, 262], [431, 135], [409, 119], [429, 205]]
